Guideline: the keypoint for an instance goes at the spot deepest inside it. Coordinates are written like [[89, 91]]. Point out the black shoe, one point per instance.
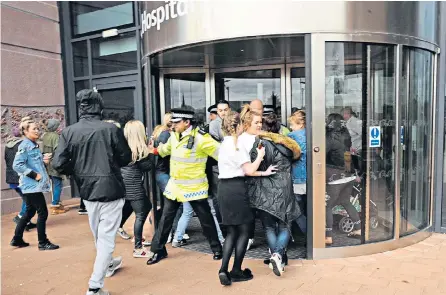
[[30, 226], [82, 212], [19, 243], [16, 219], [157, 257], [217, 256], [285, 259], [225, 278], [47, 246], [241, 276]]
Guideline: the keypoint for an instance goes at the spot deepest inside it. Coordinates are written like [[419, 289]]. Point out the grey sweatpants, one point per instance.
[[104, 219]]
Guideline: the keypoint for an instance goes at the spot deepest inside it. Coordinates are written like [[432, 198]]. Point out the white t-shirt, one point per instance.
[[230, 160], [245, 143]]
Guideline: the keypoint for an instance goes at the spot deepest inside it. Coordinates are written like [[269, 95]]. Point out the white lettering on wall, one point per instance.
[[156, 17]]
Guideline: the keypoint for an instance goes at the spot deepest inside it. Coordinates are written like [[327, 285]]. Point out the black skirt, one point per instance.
[[234, 202]]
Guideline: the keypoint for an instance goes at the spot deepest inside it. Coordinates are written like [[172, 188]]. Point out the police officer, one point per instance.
[[189, 148], [212, 110]]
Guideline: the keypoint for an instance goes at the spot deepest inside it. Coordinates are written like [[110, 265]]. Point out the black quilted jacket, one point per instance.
[[133, 175], [274, 194]]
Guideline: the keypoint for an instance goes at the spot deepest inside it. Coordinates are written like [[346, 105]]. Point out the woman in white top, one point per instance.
[[234, 163]]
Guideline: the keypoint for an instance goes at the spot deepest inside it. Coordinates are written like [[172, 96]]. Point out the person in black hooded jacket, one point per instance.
[[93, 152], [273, 196], [338, 177]]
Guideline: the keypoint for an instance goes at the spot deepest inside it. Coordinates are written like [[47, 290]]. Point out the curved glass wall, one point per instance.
[[416, 137]]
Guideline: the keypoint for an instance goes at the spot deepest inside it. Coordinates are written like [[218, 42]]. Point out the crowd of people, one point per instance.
[[242, 166]]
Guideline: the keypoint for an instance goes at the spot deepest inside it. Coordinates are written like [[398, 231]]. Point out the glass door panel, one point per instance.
[[119, 104], [186, 90], [297, 89], [416, 132], [241, 87], [359, 95]]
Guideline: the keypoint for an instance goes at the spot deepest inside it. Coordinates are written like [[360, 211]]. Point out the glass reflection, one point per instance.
[[186, 91]]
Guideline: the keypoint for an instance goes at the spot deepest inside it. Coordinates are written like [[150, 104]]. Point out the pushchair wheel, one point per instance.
[[346, 224], [374, 222]]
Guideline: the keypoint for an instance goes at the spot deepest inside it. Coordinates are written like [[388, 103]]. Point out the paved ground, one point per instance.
[[418, 269]]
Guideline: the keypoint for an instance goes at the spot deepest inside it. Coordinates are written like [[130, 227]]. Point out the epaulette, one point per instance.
[[203, 130]]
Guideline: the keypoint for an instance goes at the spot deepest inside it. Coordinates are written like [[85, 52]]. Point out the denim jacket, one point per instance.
[[27, 163], [299, 168]]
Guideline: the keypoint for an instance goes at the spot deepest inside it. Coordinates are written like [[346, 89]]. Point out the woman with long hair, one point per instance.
[[29, 163], [234, 163], [133, 175], [273, 196]]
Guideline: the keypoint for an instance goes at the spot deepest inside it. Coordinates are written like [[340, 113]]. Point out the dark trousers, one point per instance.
[[34, 202], [339, 194], [82, 205], [141, 208], [201, 208]]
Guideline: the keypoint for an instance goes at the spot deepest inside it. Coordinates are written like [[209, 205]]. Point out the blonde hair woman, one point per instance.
[[133, 174], [29, 163], [234, 163], [166, 126]]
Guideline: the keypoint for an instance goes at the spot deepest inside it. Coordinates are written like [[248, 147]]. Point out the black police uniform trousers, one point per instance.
[[203, 211]]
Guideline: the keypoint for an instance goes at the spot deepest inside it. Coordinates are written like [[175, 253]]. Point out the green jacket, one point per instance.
[[50, 141]]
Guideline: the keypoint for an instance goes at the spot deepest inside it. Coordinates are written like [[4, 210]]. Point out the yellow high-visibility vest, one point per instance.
[[188, 181]]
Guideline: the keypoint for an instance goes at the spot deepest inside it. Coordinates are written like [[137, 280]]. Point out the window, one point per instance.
[[80, 59], [114, 55], [186, 91], [241, 88], [89, 16]]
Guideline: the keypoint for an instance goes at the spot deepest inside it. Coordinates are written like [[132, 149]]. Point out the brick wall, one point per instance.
[[32, 79]]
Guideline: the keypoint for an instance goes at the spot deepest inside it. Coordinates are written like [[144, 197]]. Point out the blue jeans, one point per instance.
[[57, 189], [188, 213], [17, 189], [277, 233]]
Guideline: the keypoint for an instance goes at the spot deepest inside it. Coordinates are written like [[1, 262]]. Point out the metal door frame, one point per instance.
[[316, 96]]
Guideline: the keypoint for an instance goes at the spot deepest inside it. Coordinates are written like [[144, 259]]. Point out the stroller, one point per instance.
[[345, 223]]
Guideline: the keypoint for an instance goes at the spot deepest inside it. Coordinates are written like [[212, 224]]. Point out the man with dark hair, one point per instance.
[[93, 152], [189, 147], [215, 126]]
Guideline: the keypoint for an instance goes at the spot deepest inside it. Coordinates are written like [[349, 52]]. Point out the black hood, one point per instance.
[[90, 103]]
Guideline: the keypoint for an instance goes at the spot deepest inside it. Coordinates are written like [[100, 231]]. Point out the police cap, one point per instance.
[[181, 114]]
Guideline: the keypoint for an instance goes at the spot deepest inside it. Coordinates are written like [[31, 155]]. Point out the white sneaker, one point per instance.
[[250, 242], [186, 237], [276, 261], [145, 243], [124, 234], [141, 253], [100, 292], [169, 240], [115, 264]]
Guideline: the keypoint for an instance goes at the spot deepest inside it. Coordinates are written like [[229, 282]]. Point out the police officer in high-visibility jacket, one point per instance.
[[189, 148]]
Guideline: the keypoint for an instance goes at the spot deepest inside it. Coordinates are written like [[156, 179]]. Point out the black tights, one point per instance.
[[236, 238]]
